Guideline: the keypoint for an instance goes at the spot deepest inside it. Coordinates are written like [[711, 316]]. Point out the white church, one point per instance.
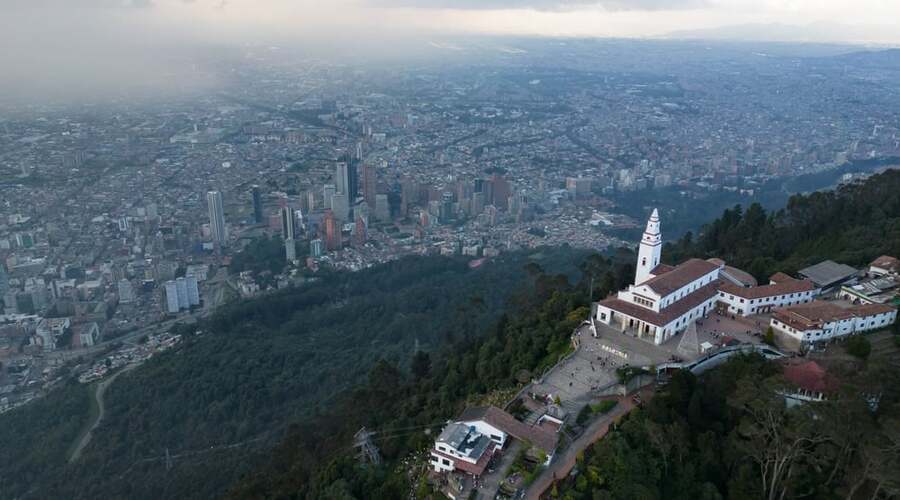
[[664, 300]]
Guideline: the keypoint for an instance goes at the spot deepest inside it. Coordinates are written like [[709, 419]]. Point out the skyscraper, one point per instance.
[[359, 232], [316, 248], [328, 192], [369, 180], [288, 224], [340, 205], [332, 232], [4, 280], [171, 297], [257, 205], [193, 290], [446, 210], [500, 191], [181, 293], [342, 177], [290, 249], [217, 217]]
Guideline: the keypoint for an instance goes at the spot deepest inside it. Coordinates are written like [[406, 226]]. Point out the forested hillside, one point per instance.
[[289, 377], [251, 371], [692, 442], [729, 435], [853, 224]]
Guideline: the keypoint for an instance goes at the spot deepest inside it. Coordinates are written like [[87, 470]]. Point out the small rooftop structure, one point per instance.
[[885, 265], [809, 376], [827, 274]]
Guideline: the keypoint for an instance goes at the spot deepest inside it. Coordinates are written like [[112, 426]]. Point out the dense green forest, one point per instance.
[[308, 465], [730, 435], [700, 427], [289, 377], [853, 225], [256, 367]]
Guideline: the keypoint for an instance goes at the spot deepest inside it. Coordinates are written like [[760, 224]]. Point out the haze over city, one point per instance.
[[464, 249], [55, 48]]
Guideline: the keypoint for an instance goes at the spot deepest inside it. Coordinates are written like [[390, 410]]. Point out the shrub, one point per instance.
[[605, 406], [858, 346]]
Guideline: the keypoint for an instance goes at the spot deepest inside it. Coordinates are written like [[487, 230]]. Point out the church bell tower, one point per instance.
[[650, 250]]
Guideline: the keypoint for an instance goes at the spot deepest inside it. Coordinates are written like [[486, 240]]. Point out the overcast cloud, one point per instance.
[[71, 46]]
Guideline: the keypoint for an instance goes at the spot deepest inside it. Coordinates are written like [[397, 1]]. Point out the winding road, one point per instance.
[[101, 409]]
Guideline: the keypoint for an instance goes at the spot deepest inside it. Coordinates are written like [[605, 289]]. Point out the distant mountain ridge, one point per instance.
[[821, 32]]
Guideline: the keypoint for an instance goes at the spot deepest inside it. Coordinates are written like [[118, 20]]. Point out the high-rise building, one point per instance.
[[290, 249], [369, 181], [446, 208], [181, 293], [4, 280], [359, 232], [171, 297], [126, 292], [193, 289], [257, 205], [310, 201], [332, 232], [382, 208], [477, 203], [500, 191], [342, 177], [316, 248], [217, 217], [340, 205], [288, 223], [328, 192]]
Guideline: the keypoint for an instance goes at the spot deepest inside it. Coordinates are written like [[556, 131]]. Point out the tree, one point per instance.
[[778, 440], [421, 364], [770, 336], [858, 346]]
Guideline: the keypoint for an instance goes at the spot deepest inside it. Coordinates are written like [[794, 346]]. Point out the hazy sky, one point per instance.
[[85, 43]]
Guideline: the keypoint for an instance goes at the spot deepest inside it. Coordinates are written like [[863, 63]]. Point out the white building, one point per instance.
[[217, 217], [172, 297], [820, 321], [461, 447], [193, 290], [468, 444], [181, 293], [49, 330], [664, 299], [126, 292], [781, 291]]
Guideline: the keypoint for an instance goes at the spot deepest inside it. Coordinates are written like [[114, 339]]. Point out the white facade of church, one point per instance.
[[663, 301]]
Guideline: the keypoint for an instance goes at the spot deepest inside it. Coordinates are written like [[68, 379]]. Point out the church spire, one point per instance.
[[650, 249]]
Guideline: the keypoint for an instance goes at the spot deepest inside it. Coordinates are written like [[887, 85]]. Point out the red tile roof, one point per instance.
[[683, 274], [815, 314], [666, 315], [779, 277], [661, 269], [502, 420], [782, 287], [810, 376]]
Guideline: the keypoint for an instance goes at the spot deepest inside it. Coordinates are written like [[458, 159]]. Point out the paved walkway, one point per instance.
[[490, 483], [564, 463]]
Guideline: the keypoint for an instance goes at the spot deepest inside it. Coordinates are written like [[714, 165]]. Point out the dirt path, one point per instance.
[[101, 409]]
